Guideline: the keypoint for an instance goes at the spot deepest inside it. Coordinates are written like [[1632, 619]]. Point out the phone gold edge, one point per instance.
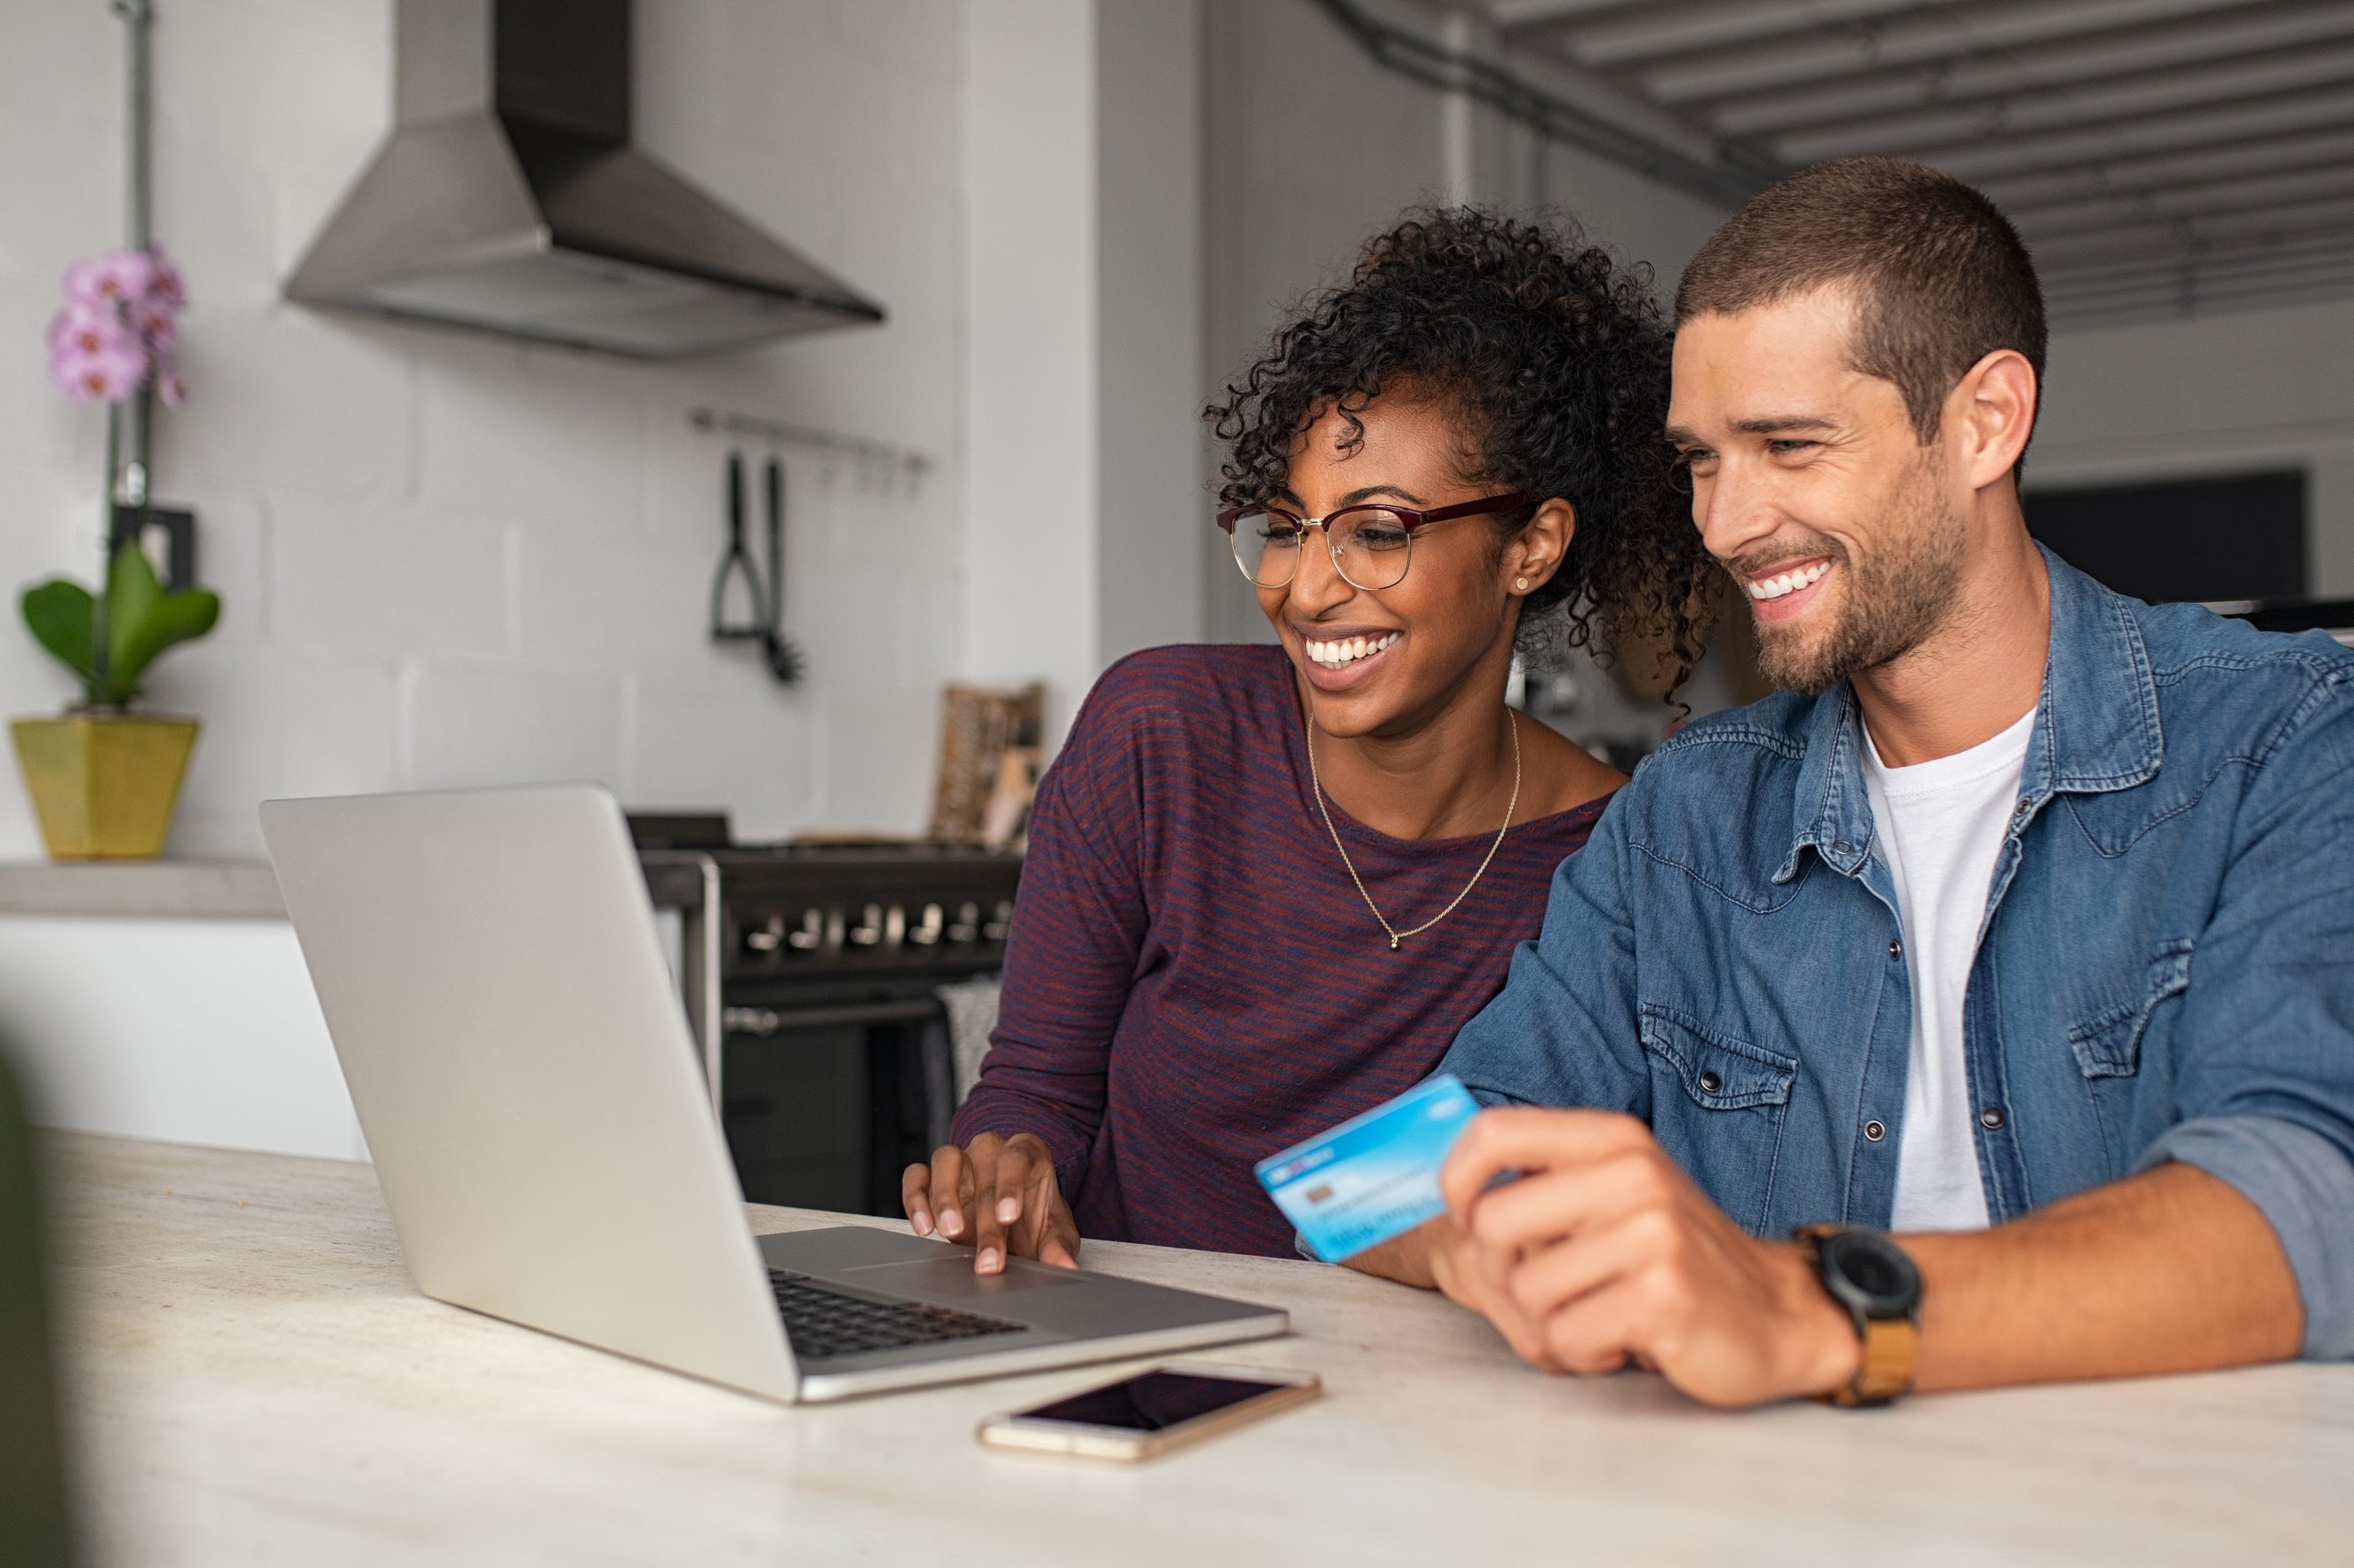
[[1010, 1430]]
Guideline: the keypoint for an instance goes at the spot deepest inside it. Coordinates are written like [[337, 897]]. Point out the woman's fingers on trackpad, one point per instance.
[[947, 1190], [995, 1195], [915, 1197]]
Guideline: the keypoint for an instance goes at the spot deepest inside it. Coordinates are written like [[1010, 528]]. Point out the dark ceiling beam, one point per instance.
[[1544, 13], [2127, 177], [2023, 31], [2022, 70], [2155, 244], [2063, 108], [2325, 241], [2209, 283], [1666, 29], [2332, 104], [2196, 205]]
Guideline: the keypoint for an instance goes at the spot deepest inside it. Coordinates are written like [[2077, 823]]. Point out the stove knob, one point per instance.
[[895, 927], [766, 937], [869, 931], [761, 1022], [928, 933], [811, 932], [996, 929], [968, 924]]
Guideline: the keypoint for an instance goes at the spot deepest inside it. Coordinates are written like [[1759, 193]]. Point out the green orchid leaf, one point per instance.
[[172, 618], [131, 593], [59, 613], [143, 620]]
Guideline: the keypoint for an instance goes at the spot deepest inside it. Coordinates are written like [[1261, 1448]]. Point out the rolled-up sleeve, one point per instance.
[[2264, 1079], [2305, 1188]]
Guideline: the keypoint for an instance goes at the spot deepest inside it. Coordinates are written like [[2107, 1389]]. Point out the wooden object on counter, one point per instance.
[[255, 1381], [991, 741]]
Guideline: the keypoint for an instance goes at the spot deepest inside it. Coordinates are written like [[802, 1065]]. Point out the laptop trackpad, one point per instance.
[[952, 1280]]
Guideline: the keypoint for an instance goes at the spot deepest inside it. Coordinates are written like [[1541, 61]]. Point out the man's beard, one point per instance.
[[1892, 600]]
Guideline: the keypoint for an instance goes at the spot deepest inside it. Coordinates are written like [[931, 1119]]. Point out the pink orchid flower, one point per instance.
[[111, 277], [156, 322], [111, 373], [171, 388], [86, 331], [166, 287]]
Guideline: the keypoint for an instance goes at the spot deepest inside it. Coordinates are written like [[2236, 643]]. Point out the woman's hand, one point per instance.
[[995, 1195]]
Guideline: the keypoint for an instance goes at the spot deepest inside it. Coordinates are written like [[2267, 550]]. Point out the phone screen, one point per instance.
[[1151, 1402]]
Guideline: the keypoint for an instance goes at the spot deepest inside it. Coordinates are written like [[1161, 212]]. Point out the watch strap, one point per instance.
[[1891, 1345], [1885, 1372]]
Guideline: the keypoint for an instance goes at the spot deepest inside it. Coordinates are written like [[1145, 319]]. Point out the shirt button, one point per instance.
[[1711, 1082], [1895, 949], [2024, 807], [1990, 1119], [1843, 847], [1874, 1131]]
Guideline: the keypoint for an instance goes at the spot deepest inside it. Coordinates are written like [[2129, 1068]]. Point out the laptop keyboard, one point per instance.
[[824, 1323]]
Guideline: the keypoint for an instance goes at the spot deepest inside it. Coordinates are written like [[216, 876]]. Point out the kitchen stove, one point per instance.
[[812, 974]]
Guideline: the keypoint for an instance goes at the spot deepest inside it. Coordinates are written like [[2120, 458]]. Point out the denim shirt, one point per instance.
[[2164, 969]]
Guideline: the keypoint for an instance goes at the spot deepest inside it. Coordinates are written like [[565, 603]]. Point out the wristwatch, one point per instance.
[[1876, 1281]]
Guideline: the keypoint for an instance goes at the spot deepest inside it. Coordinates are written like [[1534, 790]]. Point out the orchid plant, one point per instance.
[[116, 341]]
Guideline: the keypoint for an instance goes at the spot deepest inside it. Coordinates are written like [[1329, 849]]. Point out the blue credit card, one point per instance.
[[1374, 1176]]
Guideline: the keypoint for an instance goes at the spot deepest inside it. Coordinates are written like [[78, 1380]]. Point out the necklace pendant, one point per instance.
[[1511, 806]]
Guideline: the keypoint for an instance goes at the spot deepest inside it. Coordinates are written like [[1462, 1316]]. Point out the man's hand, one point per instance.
[[997, 1195], [1478, 1276], [1604, 1253]]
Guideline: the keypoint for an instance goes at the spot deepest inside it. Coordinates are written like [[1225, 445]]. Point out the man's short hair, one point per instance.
[[1940, 276]]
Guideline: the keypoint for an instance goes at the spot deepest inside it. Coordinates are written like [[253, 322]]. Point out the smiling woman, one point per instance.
[[1268, 886]]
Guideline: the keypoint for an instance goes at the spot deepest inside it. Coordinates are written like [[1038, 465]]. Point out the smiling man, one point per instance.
[[2020, 926]]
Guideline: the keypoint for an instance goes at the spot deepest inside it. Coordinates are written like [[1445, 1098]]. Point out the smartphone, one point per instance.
[[1152, 1412]]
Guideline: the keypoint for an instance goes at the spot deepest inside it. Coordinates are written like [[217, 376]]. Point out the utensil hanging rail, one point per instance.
[[721, 421]]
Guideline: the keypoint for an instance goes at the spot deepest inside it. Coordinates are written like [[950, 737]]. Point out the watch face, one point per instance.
[[1873, 1272]]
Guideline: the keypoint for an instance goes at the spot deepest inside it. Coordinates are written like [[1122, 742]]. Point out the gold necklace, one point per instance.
[[1511, 806]]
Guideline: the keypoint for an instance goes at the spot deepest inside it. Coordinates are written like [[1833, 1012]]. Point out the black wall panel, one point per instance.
[[2242, 537]]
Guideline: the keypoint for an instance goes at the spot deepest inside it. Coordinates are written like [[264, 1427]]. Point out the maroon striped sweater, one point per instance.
[[1192, 981]]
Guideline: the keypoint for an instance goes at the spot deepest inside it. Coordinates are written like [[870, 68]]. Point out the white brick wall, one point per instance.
[[449, 559]]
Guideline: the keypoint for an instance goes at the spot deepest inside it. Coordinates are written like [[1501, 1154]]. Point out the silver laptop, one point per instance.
[[493, 978]]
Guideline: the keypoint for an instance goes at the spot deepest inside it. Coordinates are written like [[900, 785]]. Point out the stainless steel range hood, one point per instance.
[[508, 197]]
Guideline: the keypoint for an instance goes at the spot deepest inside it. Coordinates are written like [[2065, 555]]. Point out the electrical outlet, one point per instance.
[[168, 536]]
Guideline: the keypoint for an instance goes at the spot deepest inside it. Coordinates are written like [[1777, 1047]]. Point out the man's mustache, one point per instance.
[[1759, 563]]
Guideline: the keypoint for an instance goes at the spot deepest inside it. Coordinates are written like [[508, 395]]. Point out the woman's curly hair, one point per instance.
[[1553, 356]]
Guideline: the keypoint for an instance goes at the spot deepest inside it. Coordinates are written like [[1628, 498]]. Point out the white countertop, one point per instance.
[[255, 1381]]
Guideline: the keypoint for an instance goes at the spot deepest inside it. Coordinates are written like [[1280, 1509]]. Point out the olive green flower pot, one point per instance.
[[103, 785]]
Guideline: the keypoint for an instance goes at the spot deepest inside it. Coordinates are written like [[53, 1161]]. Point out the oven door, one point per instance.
[[829, 1093]]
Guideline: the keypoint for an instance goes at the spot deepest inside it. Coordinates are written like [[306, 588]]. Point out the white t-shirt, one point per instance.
[[1939, 826]]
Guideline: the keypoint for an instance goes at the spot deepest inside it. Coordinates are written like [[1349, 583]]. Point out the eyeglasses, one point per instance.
[[1371, 546]]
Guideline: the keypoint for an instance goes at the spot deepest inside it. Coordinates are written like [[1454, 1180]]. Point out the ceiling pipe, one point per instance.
[[1727, 182]]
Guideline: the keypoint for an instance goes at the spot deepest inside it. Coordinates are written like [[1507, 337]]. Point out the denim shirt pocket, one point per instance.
[[1718, 1104], [2108, 1044]]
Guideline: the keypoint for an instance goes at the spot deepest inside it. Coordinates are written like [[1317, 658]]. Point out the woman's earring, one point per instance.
[[1521, 584]]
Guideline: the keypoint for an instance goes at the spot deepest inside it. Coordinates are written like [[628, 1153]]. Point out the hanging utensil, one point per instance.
[[784, 659], [738, 565]]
